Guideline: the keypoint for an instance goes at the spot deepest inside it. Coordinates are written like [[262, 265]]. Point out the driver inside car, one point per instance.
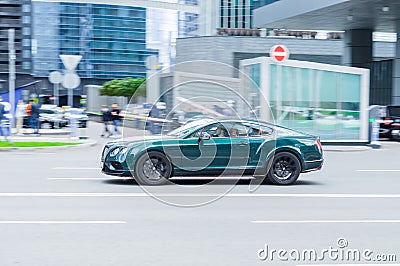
[[233, 133], [220, 132]]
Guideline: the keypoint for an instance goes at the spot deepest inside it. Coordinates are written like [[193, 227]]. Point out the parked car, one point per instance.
[[78, 114], [48, 118], [203, 147], [389, 126]]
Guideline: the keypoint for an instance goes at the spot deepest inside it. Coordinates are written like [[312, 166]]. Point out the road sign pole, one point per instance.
[[56, 78], [278, 92], [71, 97], [279, 54], [12, 58], [56, 92]]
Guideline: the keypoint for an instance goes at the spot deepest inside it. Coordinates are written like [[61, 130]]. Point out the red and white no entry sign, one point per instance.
[[279, 53]]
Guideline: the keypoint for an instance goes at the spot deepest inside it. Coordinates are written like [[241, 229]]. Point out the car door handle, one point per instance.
[[243, 143]]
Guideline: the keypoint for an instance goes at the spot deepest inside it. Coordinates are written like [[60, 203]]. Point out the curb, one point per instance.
[[347, 148], [85, 144], [48, 133]]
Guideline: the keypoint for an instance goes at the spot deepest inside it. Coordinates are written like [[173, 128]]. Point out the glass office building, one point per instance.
[[16, 14], [324, 100], [259, 3], [111, 39], [188, 22], [238, 14], [164, 26]]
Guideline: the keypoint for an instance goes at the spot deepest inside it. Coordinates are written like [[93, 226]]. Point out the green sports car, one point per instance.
[[208, 147]]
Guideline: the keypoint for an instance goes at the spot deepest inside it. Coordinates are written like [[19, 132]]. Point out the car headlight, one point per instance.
[[123, 150], [114, 152]]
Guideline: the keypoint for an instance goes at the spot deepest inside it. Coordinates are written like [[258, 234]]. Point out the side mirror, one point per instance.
[[204, 136]]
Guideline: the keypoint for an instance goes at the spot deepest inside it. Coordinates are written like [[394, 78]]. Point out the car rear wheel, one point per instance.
[[153, 169], [285, 169]]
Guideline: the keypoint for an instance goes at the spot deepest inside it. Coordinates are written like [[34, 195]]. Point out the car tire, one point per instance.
[[152, 168], [285, 169], [46, 125]]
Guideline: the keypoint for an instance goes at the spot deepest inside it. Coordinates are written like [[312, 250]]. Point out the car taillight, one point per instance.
[[318, 144], [396, 124]]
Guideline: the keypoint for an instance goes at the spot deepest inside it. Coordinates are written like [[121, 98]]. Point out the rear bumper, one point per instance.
[[313, 165]]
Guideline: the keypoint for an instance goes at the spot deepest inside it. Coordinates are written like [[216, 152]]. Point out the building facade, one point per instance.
[[227, 14], [15, 14], [164, 26], [111, 39], [359, 20]]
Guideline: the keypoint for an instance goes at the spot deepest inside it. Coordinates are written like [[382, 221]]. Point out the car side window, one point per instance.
[[216, 130], [238, 130], [258, 131]]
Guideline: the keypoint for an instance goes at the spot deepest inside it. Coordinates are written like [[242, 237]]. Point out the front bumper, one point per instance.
[[114, 172], [115, 166]]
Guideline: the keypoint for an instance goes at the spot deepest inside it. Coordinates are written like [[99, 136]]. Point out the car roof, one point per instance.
[[209, 121]]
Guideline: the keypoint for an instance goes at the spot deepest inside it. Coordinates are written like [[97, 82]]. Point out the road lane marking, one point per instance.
[[132, 195], [341, 264], [76, 168], [131, 178], [32, 153], [327, 222], [89, 178], [379, 170], [63, 222]]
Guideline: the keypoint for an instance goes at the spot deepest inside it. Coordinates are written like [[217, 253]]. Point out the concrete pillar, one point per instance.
[[358, 47], [396, 70], [152, 79]]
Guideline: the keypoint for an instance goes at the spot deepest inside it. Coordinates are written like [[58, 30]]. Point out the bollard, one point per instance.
[[74, 127], [375, 135]]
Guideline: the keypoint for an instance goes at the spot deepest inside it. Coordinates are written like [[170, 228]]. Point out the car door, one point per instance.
[[240, 146], [261, 141], [205, 155]]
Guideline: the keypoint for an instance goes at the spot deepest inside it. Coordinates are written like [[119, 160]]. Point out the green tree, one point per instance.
[[128, 87]]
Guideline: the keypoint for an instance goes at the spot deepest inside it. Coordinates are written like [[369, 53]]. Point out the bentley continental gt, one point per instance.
[[207, 147]]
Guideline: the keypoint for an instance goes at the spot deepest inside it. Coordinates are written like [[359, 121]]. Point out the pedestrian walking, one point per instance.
[[28, 112], [2, 111], [116, 118], [19, 114], [35, 114], [106, 118]]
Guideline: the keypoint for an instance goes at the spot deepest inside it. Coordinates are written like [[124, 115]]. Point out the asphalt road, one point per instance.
[[56, 208]]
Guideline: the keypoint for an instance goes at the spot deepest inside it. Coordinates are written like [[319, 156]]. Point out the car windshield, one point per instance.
[[183, 130]]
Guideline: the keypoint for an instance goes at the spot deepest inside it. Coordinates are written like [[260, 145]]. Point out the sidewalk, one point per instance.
[[93, 132], [347, 148], [49, 135], [28, 131]]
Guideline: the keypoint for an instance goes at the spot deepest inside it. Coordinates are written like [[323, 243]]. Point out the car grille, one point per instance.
[[104, 154]]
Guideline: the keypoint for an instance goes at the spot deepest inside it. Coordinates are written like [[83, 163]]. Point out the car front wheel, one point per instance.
[[285, 169], [152, 169], [46, 125]]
